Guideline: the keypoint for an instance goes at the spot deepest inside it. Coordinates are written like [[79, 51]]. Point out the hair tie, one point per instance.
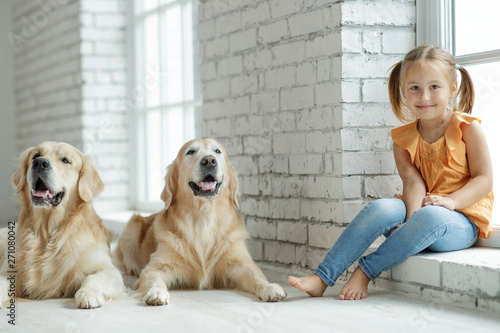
[[457, 67]]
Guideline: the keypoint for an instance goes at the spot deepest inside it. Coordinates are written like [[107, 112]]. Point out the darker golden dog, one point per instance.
[[62, 247], [198, 240]]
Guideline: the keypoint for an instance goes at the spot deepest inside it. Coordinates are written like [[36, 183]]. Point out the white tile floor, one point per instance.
[[234, 311]]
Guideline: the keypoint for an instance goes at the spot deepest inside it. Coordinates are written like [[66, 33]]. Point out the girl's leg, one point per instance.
[[375, 219], [433, 227]]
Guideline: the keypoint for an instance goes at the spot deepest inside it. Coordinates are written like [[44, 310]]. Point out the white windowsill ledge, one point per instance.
[[469, 278]]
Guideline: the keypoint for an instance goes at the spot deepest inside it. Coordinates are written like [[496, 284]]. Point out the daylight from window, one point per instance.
[[165, 70], [482, 15]]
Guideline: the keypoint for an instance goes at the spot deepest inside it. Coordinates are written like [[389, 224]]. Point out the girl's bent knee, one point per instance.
[[386, 206]]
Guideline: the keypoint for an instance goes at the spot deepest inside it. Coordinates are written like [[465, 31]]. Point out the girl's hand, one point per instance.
[[438, 200]]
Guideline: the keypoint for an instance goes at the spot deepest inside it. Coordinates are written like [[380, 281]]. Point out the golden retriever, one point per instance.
[[198, 240], [61, 245]]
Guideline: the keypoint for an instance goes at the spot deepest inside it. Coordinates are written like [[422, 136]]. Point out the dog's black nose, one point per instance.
[[41, 163], [208, 161]]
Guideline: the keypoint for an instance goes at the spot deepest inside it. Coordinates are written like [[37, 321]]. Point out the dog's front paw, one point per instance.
[[87, 298], [157, 296], [273, 292]]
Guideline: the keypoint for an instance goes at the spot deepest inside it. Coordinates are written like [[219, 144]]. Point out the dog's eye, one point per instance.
[[191, 152], [65, 160], [218, 151], [37, 155]]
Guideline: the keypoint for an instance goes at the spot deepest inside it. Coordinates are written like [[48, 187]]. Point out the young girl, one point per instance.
[[444, 164]]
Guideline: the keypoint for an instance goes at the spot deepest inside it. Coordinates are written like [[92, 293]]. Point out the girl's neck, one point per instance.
[[433, 129]]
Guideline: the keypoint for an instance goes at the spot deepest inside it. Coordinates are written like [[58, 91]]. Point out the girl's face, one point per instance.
[[427, 90]]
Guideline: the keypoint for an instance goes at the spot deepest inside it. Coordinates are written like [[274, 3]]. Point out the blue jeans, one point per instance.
[[431, 227]]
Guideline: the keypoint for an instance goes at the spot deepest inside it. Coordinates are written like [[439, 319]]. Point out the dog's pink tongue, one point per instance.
[[208, 186], [42, 194]]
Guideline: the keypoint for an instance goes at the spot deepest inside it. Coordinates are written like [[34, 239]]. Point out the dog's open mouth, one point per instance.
[[208, 187], [41, 195]]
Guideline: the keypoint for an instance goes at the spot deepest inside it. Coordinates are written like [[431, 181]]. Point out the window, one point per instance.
[[164, 90], [467, 29]]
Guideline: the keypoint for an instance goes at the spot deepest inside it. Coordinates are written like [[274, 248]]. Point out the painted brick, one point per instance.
[[279, 252], [322, 187], [273, 164], [351, 41], [322, 141], [260, 228], [368, 163], [265, 102], [292, 232], [375, 91], [243, 40], [471, 279], [316, 118], [419, 270], [306, 23], [306, 164], [289, 143], [372, 42], [352, 187], [398, 42], [281, 8], [256, 145], [323, 235], [377, 13], [383, 186], [273, 32], [280, 77], [319, 210]]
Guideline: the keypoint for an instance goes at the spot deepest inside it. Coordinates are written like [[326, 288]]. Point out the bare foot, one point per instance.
[[311, 284], [357, 286]]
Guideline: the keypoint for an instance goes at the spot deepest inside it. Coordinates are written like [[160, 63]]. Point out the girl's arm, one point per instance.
[[414, 190], [478, 158]]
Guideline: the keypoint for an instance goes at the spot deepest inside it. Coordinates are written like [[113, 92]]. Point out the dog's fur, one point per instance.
[[62, 247], [198, 240]]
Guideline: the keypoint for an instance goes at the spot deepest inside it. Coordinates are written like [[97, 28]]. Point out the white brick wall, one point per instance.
[[47, 78], [302, 107], [296, 91], [70, 84], [104, 94]]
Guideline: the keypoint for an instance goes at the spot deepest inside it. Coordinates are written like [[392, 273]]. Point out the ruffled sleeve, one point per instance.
[[406, 137], [457, 158]]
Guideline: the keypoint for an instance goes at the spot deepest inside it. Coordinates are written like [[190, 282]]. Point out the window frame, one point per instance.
[[137, 167], [434, 25]]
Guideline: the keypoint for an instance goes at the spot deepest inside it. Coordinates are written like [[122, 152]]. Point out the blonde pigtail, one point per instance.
[[395, 91], [466, 92]]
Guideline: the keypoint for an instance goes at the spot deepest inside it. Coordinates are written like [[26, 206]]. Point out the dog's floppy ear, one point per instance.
[[233, 185], [89, 183], [170, 184], [19, 177]]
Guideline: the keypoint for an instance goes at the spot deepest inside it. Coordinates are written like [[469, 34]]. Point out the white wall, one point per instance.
[[70, 84], [8, 207], [296, 92]]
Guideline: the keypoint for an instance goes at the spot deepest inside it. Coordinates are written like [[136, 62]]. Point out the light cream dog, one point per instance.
[[61, 245], [198, 240]]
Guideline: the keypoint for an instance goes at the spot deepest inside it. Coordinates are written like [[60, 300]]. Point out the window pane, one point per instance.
[[172, 55], [189, 40], [486, 78], [145, 5], [151, 72], [476, 26], [174, 126], [153, 145]]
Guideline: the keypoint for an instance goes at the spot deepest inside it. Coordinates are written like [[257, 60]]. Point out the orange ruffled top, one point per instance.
[[443, 165]]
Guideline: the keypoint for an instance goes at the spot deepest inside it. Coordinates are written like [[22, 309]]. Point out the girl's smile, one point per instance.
[[427, 92]]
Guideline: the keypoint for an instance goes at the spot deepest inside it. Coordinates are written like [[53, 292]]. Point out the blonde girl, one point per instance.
[[444, 163]]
